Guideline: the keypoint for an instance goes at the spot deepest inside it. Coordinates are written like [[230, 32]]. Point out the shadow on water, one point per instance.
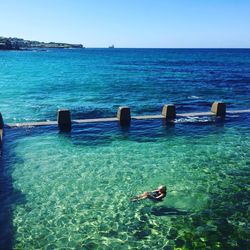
[[9, 196], [102, 134], [167, 211]]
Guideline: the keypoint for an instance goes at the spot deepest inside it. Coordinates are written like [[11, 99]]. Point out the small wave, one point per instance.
[[233, 116], [193, 119], [194, 97]]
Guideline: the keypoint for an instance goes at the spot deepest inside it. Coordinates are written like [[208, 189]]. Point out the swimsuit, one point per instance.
[[155, 194]]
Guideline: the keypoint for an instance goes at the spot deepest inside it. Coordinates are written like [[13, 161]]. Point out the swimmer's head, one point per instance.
[[162, 188]]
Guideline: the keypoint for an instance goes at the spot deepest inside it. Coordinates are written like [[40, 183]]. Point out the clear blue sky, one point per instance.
[[130, 23]]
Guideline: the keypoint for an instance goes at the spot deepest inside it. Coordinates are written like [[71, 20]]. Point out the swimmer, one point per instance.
[[155, 195]]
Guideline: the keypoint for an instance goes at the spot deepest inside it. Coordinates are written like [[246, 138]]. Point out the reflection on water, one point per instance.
[[77, 186]]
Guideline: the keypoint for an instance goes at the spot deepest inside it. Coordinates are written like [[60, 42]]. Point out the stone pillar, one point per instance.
[[123, 115], [219, 108], [1, 121], [1, 129], [64, 120], [169, 111]]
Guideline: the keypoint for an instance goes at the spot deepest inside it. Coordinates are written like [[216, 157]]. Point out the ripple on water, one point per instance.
[[77, 195]]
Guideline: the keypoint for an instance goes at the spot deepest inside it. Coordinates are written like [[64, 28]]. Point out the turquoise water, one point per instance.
[[95, 82], [72, 191]]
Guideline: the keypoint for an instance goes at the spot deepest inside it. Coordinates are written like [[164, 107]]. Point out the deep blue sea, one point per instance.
[[73, 190], [94, 82]]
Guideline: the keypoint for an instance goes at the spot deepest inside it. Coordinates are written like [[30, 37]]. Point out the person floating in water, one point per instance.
[[155, 195]]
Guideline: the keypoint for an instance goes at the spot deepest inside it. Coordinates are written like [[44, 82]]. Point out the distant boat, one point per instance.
[[112, 46]]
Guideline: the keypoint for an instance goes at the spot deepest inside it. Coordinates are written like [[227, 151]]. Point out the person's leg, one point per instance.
[[140, 197]]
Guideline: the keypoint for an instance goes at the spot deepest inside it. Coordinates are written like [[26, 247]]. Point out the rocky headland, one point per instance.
[[21, 44]]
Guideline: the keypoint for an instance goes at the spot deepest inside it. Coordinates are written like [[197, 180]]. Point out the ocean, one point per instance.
[[73, 190]]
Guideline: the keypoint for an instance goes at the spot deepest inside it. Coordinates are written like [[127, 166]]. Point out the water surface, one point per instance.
[[73, 190]]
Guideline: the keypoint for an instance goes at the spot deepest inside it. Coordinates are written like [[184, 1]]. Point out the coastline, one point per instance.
[[21, 44]]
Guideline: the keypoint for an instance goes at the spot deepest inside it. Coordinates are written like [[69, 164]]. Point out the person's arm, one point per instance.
[[157, 198]]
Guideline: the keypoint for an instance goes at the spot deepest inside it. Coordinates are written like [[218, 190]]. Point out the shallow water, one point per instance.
[[73, 190]]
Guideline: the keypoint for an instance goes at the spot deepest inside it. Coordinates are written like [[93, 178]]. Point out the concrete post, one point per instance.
[[1, 121], [219, 108], [123, 115], [64, 120], [1, 129], [169, 111], [1, 137]]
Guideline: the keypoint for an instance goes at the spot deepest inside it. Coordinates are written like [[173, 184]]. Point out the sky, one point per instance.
[[130, 23]]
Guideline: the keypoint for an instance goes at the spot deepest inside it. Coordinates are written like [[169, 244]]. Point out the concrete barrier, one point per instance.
[[64, 120], [169, 111], [123, 115], [219, 108], [1, 129], [1, 137], [1, 121]]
